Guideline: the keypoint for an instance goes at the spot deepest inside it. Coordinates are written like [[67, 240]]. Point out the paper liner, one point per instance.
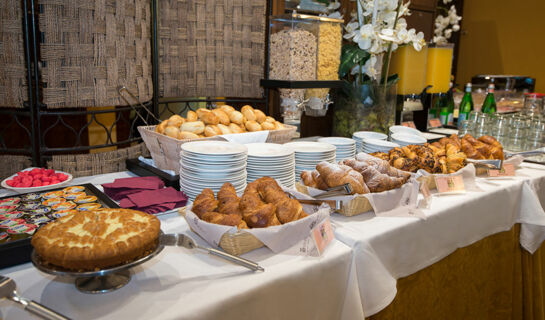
[[276, 238]]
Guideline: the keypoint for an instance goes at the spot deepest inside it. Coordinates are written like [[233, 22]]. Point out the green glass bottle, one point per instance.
[[489, 104], [433, 112], [450, 107], [466, 106]]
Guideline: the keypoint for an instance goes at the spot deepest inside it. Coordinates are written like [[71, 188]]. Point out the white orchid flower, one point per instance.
[[388, 35], [456, 27], [418, 41], [364, 37], [370, 67], [448, 33], [356, 70]]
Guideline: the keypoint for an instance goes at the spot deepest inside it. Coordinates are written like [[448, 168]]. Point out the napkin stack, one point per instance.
[[147, 194]]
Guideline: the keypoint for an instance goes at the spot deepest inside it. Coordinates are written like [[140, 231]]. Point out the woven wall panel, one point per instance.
[[212, 48], [89, 47], [13, 88]]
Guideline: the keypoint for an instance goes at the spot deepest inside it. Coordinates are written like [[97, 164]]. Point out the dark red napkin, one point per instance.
[[146, 194], [121, 188]]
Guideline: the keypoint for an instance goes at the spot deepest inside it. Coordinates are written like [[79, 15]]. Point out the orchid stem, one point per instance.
[[386, 64]]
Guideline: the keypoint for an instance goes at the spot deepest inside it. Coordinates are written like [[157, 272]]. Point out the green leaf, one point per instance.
[[351, 55]]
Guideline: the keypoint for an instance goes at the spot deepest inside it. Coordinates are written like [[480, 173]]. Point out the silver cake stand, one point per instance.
[[100, 281]]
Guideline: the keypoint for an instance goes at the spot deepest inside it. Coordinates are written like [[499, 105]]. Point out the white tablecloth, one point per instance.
[[185, 284], [386, 249]]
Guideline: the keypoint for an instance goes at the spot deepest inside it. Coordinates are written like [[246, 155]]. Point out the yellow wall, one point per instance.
[[503, 37]]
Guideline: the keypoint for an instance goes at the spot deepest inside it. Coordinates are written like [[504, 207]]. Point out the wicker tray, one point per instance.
[[235, 243], [165, 150]]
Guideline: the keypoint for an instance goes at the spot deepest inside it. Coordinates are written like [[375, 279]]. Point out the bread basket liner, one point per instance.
[[468, 173], [276, 238], [165, 150], [382, 203]]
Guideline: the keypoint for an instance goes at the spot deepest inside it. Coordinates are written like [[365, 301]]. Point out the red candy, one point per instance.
[[36, 177]]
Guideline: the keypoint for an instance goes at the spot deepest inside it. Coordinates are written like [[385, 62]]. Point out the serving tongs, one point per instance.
[[182, 240], [525, 154], [489, 164], [342, 190], [122, 89], [8, 290]]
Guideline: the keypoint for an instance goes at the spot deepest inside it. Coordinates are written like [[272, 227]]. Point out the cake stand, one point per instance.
[[99, 281]]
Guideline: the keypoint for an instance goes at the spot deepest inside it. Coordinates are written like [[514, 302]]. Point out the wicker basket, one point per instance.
[[165, 150], [13, 87], [430, 180], [358, 205], [235, 243]]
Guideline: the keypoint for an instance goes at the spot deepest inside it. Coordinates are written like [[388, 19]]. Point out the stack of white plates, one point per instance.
[[375, 145], [209, 164], [309, 154], [272, 160], [360, 135], [346, 147], [405, 139], [404, 130]]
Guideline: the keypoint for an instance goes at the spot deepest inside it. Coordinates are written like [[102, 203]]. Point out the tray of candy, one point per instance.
[[22, 214]]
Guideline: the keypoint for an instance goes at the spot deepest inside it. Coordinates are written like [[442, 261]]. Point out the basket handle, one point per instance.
[[120, 89]]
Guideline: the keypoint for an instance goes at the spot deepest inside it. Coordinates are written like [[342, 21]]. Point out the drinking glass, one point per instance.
[[535, 134], [499, 128], [473, 115], [481, 125], [517, 135], [466, 126]]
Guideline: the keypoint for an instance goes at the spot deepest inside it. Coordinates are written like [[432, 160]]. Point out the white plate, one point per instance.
[[310, 147], [339, 142], [408, 138], [379, 143], [214, 147], [403, 129], [369, 135], [268, 150], [35, 189]]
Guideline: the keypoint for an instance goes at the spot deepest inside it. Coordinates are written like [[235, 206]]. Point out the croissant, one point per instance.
[[228, 201], [313, 179], [225, 219], [381, 155], [255, 212], [336, 175], [378, 182], [380, 165], [454, 139], [287, 209], [455, 162], [204, 202], [496, 149]]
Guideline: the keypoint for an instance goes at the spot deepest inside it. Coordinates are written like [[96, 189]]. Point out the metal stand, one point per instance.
[[105, 283]]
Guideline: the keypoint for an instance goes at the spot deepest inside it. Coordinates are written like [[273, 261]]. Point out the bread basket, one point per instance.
[[165, 150]]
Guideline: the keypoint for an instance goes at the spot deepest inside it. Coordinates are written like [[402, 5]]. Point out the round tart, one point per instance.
[[52, 201], [64, 206], [89, 206], [85, 199], [52, 194], [94, 240], [73, 189], [74, 195]]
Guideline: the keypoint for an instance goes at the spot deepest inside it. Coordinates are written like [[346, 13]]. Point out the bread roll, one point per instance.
[[278, 125], [248, 112], [187, 135], [160, 128], [175, 121], [191, 116], [193, 126], [236, 117], [253, 126], [242, 127], [235, 128], [227, 109], [260, 117], [172, 132], [268, 126], [224, 129], [222, 116], [211, 130], [207, 116], [270, 119]]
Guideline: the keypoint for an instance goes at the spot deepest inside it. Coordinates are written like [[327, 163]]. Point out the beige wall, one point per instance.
[[503, 37]]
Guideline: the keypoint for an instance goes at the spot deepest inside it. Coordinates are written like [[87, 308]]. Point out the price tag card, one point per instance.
[[507, 170], [434, 123], [425, 190], [322, 235], [450, 184], [409, 124]]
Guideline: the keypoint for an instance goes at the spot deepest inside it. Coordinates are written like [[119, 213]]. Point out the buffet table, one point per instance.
[[386, 249], [185, 284]]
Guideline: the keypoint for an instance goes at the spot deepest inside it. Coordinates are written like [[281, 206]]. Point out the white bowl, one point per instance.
[[408, 138], [35, 189], [405, 130], [369, 135]]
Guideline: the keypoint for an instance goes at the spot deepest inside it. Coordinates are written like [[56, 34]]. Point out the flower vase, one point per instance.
[[364, 107]]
